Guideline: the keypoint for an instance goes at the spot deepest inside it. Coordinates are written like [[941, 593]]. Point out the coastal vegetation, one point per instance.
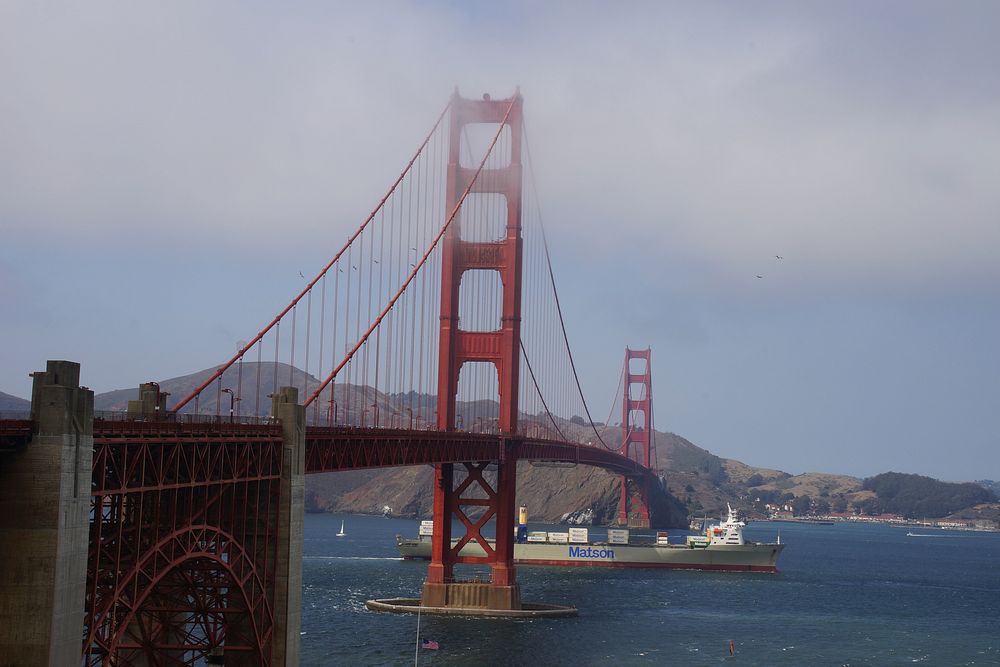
[[916, 496]]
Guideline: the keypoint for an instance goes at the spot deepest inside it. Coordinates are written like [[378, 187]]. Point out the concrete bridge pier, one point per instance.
[[44, 526], [291, 517]]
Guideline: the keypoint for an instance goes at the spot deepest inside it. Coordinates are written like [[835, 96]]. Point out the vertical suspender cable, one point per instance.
[[420, 264], [350, 241], [555, 293]]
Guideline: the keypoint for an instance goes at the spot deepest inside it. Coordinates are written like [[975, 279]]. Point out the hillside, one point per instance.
[[917, 496], [548, 492], [10, 403], [812, 484]]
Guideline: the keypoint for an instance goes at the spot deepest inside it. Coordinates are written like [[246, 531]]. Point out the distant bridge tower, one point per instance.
[[637, 434], [501, 348]]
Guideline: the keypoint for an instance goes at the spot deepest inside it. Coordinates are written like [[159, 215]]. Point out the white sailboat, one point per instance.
[[341, 533]]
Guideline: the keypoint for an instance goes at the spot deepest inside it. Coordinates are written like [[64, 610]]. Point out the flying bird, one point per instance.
[[778, 257], [759, 276], [300, 275]]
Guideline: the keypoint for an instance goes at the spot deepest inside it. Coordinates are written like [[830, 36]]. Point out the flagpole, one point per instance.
[[416, 651]]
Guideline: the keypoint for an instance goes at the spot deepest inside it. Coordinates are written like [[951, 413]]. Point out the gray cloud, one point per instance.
[[857, 140]]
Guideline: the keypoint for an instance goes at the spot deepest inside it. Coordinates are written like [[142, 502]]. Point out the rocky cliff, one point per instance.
[[548, 492]]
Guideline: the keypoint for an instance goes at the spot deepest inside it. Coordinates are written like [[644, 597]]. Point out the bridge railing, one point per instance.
[[15, 432], [120, 416]]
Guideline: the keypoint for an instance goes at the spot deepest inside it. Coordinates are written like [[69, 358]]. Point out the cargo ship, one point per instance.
[[721, 547]]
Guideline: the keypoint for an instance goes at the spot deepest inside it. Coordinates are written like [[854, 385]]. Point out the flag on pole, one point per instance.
[[429, 644]]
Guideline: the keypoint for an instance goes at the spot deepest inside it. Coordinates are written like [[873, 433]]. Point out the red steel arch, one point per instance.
[[182, 548], [217, 602]]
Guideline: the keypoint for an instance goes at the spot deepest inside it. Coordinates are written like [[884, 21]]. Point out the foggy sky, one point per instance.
[[167, 170]]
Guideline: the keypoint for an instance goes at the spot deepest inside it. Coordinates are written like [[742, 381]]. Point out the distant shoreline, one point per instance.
[[884, 522]]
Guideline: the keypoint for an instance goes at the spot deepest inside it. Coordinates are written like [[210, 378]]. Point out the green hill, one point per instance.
[[916, 496], [10, 403]]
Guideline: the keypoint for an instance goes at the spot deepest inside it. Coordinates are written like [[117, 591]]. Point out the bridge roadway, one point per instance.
[[337, 448], [330, 449]]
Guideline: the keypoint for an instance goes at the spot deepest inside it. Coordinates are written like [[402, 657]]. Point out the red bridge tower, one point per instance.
[[637, 433], [501, 348]]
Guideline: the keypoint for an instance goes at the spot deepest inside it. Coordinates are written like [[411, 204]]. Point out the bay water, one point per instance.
[[845, 594]]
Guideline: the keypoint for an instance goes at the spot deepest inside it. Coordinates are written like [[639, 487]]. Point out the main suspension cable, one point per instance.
[[555, 292], [548, 412], [308, 288], [416, 269]]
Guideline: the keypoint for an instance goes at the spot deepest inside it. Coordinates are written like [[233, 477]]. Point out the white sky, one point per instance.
[[160, 166]]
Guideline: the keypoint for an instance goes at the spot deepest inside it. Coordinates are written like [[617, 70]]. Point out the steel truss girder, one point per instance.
[[15, 433], [182, 544]]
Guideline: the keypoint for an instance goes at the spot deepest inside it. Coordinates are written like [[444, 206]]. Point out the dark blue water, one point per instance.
[[845, 595]]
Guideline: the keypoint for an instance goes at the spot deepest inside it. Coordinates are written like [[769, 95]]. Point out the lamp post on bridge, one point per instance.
[[232, 400]]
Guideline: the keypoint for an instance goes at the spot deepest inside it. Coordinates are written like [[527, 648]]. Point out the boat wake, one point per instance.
[[352, 558], [932, 535]]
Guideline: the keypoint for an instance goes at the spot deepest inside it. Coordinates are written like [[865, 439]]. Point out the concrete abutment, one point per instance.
[[44, 525], [291, 517], [45, 494]]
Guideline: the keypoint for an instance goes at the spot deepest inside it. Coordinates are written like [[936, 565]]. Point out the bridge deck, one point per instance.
[[329, 449], [14, 434]]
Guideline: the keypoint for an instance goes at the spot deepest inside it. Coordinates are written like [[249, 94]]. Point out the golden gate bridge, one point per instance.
[[434, 335]]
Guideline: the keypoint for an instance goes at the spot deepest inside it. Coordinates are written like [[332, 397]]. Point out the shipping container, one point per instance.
[[617, 536]]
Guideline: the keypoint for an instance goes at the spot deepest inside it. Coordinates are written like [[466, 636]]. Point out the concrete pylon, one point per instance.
[[44, 526], [291, 516], [152, 403]]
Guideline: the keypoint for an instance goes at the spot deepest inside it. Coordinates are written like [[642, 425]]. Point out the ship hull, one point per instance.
[[726, 558]]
